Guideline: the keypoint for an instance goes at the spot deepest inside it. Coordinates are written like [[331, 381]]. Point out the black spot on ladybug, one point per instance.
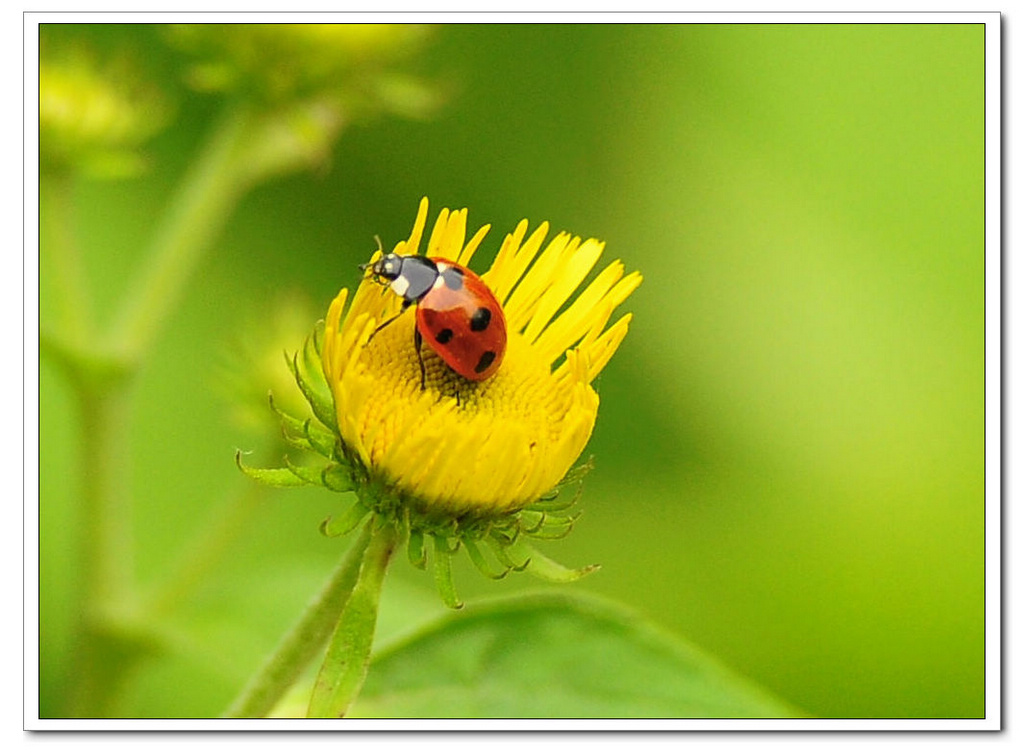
[[485, 361], [444, 336], [452, 278], [480, 319]]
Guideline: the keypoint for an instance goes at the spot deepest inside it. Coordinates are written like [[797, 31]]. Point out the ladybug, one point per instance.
[[456, 313]]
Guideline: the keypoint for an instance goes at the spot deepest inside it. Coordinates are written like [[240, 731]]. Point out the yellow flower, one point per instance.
[[495, 446], [447, 459]]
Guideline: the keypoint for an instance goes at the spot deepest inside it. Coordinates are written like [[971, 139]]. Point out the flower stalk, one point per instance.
[[306, 638], [348, 656]]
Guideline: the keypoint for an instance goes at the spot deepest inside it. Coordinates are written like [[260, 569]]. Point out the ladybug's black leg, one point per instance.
[[418, 340], [385, 323]]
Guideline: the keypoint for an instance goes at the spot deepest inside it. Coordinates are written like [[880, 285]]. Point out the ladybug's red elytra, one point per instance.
[[456, 313]]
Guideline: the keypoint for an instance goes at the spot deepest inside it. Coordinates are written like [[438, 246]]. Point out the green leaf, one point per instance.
[[274, 477], [554, 656]]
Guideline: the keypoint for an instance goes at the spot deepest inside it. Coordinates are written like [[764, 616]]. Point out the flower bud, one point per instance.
[[95, 118]]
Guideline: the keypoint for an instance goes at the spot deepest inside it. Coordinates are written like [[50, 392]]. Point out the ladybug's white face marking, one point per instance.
[[400, 285]]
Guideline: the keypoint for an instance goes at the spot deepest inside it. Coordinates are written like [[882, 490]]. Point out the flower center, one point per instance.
[[475, 444]]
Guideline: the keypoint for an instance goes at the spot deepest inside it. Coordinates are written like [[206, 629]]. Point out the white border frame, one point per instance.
[[993, 386]]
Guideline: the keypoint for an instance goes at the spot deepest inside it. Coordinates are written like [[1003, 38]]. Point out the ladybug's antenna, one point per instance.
[[380, 249]]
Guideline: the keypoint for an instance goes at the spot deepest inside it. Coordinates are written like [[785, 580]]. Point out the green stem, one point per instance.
[[304, 640], [106, 508], [106, 649], [348, 655], [196, 215]]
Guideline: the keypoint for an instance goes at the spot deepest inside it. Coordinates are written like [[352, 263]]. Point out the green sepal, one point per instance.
[[556, 527], [307, 434], [321, 403], [300, 443], [547, 569], [481, 563], [551, 502], [291, 428], [274, 477], [531, 522], [554, 501], [314, 369], [318, 346], [443, 573], [337, 478], [562, 520], [331, 527], [417, 549], [321, 439], [504, 536], [501, 553], [577, 472], [310, 474]]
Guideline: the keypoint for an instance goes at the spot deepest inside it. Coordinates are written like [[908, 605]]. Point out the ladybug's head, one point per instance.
[[410, 277], [388, 267]]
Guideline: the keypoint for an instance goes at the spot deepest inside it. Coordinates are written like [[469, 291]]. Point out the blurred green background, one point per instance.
[[790, 447]]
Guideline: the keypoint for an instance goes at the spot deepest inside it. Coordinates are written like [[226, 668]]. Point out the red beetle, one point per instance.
[[456, 313]]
